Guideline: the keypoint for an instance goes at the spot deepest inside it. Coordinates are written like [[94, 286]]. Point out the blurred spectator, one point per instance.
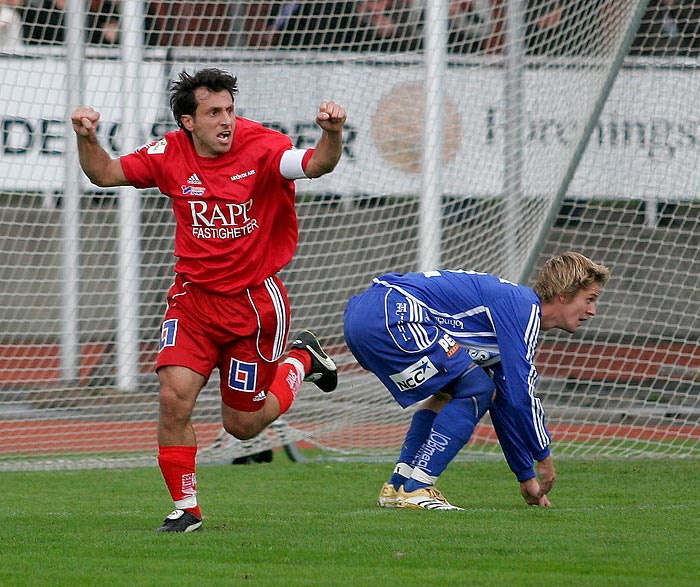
[[556, 27], [10, 25], [102, 22], [362, 25], [471, 24], [44, 22], [317, 25], [260, 22], [389, 25], [543, 26], [565, 27], [306, 24], [669, 27], [187, 23]]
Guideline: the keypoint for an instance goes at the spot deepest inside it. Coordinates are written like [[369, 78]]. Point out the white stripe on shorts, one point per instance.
[[277, 299]]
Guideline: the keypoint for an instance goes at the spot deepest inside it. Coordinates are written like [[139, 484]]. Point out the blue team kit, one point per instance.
[[425, 332]]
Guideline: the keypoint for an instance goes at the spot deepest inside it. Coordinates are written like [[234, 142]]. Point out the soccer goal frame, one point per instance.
[[474, 141]]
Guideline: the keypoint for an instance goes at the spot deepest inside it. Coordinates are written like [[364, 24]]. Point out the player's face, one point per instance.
[[213, 123], [579, 309]]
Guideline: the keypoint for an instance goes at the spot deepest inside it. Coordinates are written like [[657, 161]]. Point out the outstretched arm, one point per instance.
[[331, 118], [97, 164], [533, 487]]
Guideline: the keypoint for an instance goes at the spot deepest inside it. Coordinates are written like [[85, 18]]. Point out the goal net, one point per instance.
[[484, 135]]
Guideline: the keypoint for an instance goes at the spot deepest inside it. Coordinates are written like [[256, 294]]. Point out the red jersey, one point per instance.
[[236, 224]]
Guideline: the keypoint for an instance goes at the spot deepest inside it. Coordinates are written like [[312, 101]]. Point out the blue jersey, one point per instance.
[[498, 324]]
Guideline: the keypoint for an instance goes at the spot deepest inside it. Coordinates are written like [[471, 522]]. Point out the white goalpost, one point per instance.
[[486, 135]]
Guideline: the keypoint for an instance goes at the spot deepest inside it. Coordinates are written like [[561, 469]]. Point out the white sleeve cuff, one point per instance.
[[291, 164]]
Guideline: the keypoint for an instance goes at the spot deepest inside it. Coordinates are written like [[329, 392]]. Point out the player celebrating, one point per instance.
[[463, 343], [231, 182]]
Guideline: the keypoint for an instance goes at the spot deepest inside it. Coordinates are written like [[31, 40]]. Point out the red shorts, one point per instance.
[[243, 335]]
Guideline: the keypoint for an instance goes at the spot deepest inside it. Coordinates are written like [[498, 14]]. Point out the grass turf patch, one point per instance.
[[614, 523]]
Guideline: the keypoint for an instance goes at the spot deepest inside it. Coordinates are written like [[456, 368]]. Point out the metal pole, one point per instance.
[[514, 147], [70, 336], [632, 26], [128, 353], [430, 206]]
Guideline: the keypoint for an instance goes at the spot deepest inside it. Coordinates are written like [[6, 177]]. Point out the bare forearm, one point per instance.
[[96, 163], [546, 474], [326, 154], [94, 160], [331, 118]]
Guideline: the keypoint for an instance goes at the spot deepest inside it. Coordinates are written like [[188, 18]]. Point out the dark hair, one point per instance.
[[182, 98]]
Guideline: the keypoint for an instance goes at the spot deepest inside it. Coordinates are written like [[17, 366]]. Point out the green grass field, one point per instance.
[[614, 523]]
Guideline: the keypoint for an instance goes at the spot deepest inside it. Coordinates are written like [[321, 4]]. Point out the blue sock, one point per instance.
[[451, 430], [397, 480], [417, 433]]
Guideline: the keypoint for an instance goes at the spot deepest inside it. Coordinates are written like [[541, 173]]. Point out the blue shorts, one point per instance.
[[396, 339]]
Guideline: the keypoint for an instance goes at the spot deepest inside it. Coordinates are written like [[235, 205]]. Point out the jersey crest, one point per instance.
[[157, 148]]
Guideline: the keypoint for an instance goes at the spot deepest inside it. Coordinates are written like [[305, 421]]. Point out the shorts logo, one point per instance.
[[483, 357], [243, 376], [415, 375], [168, 334], [449, 345]]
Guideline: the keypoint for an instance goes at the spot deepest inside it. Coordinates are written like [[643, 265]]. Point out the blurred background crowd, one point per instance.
[[354, 25]]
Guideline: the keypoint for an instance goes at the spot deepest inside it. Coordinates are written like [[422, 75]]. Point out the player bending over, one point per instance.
[[463, 343], [231, 182]]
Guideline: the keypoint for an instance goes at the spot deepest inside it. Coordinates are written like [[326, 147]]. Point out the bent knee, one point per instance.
[[244, 427], [241, 432]]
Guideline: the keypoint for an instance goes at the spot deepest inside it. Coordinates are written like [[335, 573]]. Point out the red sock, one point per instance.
[[303, 357], [289, 378], [177, 464]]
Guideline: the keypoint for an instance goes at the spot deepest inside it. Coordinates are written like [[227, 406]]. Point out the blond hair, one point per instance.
[[568, 274]]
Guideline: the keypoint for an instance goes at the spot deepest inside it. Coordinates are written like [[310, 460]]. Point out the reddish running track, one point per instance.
[[40, 437]]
